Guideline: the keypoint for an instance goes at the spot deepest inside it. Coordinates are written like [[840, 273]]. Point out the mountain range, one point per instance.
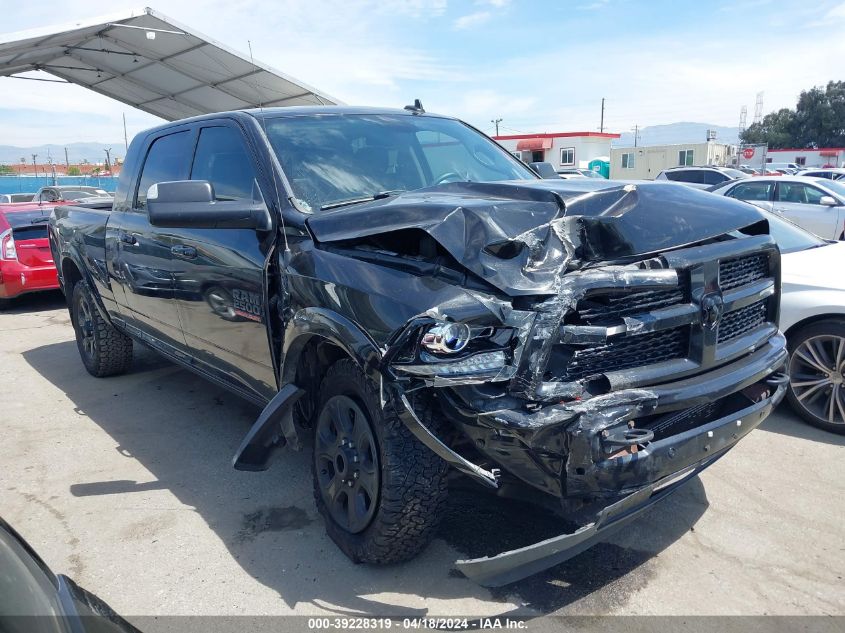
[[675, 133], [76, 152]]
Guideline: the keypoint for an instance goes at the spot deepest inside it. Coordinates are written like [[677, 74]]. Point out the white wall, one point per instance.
[[651, 160], [812, 158], [586, 148]]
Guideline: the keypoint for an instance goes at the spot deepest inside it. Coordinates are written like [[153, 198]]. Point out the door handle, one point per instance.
[[184, 252], [128, 238]]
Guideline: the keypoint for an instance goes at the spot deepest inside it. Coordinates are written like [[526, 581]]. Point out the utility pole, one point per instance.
[[636, 134], [496, 123], [108, 159], [67, 163], [601, 125], [125, 138], [34, 166]]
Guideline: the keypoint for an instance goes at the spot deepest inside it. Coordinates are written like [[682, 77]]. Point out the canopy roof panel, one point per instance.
[[149, 61]]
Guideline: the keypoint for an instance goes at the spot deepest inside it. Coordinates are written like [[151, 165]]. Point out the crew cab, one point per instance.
[[26, 264], [403, 296]]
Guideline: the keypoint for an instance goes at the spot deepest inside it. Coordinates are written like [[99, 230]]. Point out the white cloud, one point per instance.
[[837, 12], [593, 6], [472, 20]]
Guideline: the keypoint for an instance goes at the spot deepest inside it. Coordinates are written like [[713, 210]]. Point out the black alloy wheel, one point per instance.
[[347, 463]]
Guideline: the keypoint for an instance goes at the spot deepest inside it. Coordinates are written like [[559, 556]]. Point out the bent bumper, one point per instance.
[[688, 453]]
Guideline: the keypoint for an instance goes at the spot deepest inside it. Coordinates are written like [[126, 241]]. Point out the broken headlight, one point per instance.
[[446, 338], [457, 350]]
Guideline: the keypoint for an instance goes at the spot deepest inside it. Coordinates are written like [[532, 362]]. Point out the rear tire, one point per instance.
[[383, 496], [816, 369], [104, 350], [5, 304]]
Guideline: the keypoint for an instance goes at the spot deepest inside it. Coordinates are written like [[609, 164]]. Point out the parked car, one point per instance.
[[812, 315], [26, 264], [578, 172], [701, 175], [413, 297], [33, 598], [70, 193], [8, 198], [832, 173], [815, 204], [789, 169]]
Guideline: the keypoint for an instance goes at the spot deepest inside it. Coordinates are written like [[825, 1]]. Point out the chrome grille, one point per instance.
[[740, 271]]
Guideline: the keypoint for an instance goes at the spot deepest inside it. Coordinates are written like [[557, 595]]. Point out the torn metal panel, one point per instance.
[[520, 237]]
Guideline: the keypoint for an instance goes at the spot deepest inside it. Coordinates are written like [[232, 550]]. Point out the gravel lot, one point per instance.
[[125, 485]]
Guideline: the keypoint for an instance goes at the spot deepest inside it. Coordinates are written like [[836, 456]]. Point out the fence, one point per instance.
[[31, 184]]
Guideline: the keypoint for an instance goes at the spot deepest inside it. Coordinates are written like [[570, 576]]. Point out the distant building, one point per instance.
[[561, 149], [823, 157], [644, 163]]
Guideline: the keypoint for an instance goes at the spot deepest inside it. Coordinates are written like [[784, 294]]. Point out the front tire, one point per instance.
[[380, 491], [104, 350], [817, 374]]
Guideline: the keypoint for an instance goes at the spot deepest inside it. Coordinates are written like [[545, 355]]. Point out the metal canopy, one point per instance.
[[151, 62]]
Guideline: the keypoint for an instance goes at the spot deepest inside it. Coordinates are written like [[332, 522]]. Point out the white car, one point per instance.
[[812, 316], [814, 204]]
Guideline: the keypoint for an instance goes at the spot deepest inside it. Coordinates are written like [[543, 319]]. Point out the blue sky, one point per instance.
[[538, 65]]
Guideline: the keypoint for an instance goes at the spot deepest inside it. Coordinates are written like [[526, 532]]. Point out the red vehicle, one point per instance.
[[26, 264]]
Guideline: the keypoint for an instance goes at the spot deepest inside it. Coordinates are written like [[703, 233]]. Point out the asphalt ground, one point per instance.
[[125, 484]]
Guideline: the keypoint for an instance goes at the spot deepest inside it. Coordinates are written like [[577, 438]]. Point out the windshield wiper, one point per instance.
[[376, 196], [40, 220]]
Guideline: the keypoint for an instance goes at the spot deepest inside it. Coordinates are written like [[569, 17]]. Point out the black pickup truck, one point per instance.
[[399, 293]]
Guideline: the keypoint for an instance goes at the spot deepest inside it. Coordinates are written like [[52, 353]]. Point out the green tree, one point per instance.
[[73, 171], [820, 117], [818, 120], [5, 169], [776, 129]]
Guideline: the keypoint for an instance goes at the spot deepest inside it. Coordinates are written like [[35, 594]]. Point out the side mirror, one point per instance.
[[829, 201], [544, 170], [192, 204]]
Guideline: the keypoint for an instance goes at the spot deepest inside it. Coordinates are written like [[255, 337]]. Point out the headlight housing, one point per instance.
[[453, 351]]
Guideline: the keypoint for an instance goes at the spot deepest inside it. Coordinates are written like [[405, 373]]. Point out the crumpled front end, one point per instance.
[[602, 345]]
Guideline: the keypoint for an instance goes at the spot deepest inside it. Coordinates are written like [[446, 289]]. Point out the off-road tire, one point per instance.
[[412, 488], [109, 351], [827, 328]]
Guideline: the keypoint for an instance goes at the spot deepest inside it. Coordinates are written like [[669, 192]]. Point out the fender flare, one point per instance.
[[334, 327], [73, 256]]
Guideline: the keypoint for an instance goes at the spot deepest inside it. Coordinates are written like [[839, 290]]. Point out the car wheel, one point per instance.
[[5, 304], [221, 303], [104, 350], [379, 490], [817, 374]]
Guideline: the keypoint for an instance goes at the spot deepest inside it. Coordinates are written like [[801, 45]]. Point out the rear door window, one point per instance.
[[752, 191], [168, 159], [713, 177]]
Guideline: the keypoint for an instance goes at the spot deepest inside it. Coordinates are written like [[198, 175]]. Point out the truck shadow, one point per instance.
[[785, 421], [184, 431]]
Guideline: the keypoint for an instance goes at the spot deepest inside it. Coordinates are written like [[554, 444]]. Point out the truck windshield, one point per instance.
[[334, 159]]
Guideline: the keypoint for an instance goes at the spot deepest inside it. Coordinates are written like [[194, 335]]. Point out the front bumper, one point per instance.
[[687, 453], [17, 279]]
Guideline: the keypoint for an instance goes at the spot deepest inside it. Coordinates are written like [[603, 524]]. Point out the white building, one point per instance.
[[823, 157], [644, 163], [561, 149]]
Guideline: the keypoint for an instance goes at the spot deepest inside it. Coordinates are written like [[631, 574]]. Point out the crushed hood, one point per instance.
[[520, 236]]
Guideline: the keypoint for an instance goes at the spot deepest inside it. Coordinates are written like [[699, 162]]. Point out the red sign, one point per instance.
[[748, 153]]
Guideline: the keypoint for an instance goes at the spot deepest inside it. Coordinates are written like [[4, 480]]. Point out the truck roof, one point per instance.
[[290, 111]]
